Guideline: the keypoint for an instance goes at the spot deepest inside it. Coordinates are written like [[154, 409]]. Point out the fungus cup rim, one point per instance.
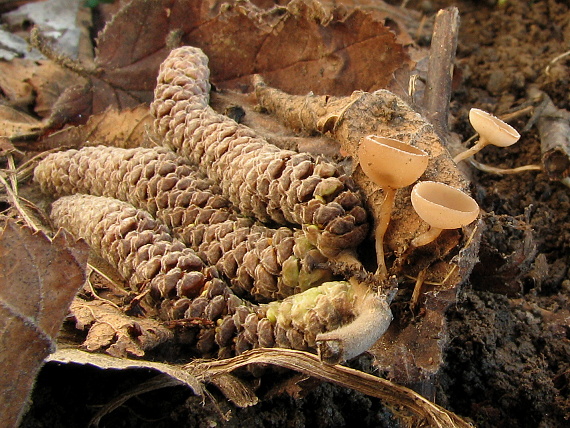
[[443, 206], [492, 129], [389, 162]]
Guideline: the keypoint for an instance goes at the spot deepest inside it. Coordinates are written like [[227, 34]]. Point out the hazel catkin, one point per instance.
[[260, 179], [184, 287]]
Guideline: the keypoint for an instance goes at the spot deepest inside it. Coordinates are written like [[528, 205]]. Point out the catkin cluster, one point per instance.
[[184, 287], [260, 262], [259, 178], [214, 255]]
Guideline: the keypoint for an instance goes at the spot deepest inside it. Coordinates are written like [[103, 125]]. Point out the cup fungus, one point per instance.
[[442, 207], [391, 164], [491, 130]]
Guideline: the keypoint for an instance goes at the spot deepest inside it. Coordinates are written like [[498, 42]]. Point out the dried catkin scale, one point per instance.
[[261, 263], [391, 164], [260, 179], [491, 130], [442, 207]]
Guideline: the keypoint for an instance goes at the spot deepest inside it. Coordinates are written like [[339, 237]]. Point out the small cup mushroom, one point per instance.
[[391, 164], [491, 130], [442, 207]]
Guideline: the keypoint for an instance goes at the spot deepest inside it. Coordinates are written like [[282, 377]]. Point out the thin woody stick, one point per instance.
[[440, 70], [554, 130]]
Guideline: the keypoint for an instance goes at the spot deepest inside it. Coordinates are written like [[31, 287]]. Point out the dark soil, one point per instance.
[[508, 360], [508, 363]]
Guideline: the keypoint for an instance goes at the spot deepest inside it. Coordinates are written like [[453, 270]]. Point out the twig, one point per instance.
[[38, 41], [415, 300], [15, 201], [554, 131], [440, 70], [26, 169], [160, 381], [309, 364], [554, 61], [108, 278]]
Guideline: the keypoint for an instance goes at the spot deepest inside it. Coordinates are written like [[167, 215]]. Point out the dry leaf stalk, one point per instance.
[[394, 395]]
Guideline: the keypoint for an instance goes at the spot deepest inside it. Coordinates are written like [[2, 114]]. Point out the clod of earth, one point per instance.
[[492, 130]]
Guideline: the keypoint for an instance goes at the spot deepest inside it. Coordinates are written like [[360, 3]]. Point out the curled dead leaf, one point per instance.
[[39, 279], [119, 335], [295, 47]]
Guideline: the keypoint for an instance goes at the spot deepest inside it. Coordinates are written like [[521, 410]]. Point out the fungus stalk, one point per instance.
[[391, 164], [428, 236], [381, 227]]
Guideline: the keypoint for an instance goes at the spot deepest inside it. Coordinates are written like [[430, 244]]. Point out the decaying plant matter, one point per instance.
[[232, 173], [259, 262], [260, 179], [174, 281], [350, 119]]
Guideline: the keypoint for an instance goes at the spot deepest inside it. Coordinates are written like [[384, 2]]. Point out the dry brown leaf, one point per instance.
[[49, 81], [74, 106], [14, 83], [39, 279], [16, 124], [35, 84], [116, 333], [304, 48], [107, 362], [126, 129], [300, 48]]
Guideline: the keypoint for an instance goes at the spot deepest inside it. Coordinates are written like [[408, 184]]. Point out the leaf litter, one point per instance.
[[40, 277], [300, 48]]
